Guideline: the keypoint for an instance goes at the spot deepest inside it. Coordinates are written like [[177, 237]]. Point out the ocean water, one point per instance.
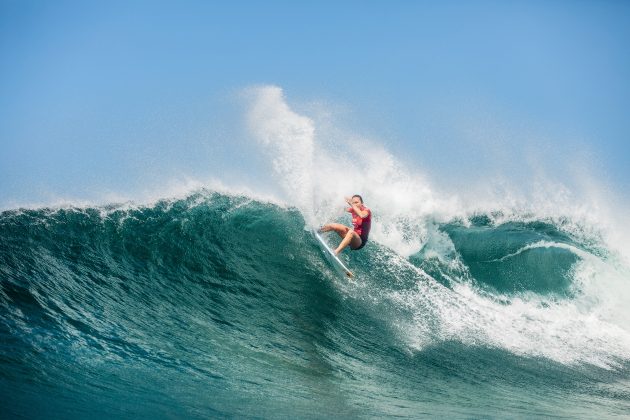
[[218, 303], [215, 305]]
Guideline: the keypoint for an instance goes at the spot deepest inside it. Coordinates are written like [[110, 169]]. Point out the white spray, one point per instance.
[[315, 176]]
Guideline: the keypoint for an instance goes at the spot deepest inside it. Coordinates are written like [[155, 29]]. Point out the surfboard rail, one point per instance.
[[330, 255]]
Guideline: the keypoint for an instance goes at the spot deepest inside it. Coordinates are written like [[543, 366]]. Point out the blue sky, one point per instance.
[[120, 96]]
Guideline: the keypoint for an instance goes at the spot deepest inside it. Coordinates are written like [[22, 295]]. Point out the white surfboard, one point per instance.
[[330, 255]]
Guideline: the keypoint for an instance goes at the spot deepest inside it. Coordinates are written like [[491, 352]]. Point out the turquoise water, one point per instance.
[[216, 305]]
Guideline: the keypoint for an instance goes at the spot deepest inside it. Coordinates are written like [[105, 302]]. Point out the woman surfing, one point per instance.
[[356, 237]]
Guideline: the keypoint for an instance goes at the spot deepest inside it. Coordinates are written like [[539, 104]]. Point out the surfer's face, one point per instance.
[[356, 201]]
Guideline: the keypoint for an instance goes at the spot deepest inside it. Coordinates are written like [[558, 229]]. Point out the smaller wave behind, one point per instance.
[[517, 256]]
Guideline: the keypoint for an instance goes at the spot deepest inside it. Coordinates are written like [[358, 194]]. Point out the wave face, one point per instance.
[[216, 305]]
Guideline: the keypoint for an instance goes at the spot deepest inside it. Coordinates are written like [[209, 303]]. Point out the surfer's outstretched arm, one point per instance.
[[362, 212]]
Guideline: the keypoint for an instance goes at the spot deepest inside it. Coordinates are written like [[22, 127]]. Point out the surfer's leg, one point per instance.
[[352, 238], [341, 230]]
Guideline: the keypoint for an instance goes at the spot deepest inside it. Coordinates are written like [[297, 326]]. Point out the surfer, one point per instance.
[[361, 223]]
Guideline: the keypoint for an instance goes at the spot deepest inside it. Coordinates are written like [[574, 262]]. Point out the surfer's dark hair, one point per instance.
[[360, 198]]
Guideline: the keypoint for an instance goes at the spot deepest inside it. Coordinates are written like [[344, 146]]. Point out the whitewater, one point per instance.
[[217, 301]]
